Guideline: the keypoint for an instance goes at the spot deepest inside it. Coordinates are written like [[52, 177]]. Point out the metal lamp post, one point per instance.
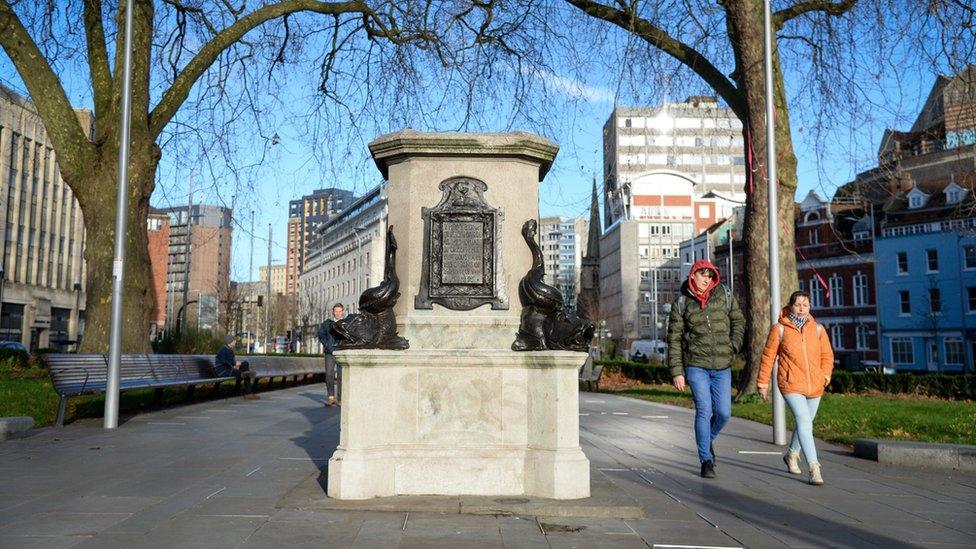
[[779, 405], [111, 416]]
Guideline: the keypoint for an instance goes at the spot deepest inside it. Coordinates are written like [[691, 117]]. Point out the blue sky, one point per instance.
[[301, 159]]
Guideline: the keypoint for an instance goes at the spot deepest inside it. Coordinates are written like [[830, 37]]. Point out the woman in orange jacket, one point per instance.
[[806, 362]]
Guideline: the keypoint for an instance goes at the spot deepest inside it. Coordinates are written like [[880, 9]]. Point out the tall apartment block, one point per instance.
[[42, 274], [670, 172], [563, 243], [305, 216], [696, 138], [207, 288]]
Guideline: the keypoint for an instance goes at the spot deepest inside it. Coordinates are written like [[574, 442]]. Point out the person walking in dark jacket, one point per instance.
[[333, 378], [705, 329], [226, 365]]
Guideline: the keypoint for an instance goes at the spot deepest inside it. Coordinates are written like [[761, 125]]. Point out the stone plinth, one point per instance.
[[455, 422], [415, 164], [459, 412]]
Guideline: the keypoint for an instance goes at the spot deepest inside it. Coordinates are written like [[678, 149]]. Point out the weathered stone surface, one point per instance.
[[459, 422]]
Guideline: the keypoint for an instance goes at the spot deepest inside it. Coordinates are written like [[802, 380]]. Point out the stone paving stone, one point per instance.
[[457, 529], [47, 542], [63, 524], [521, 532], [151, 517], [314, 533], [188, 531], [104, 504], [681, 532], [380, 531]]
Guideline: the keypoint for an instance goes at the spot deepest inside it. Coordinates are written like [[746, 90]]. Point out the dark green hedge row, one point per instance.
[[949, 386]]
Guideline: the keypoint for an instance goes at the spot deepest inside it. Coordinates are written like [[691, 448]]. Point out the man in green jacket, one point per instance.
[[705, 329]]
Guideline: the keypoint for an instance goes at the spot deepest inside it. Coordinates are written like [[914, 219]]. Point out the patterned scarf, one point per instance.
[[798, 321]]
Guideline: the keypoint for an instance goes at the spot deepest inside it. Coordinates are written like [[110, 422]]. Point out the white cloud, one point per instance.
[[571, 87]]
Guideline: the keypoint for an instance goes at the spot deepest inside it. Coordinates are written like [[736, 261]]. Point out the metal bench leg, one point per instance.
[[216, 390], [157, 398], [190, 391], [62, 409]]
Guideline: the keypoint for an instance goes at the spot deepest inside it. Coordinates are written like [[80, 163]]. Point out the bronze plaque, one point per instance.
[[461, 268]]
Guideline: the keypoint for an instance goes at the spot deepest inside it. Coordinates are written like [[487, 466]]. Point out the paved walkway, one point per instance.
[[217, 474]]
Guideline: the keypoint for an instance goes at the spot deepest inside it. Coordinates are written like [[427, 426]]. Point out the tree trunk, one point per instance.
[[746, 30], [96, 192]]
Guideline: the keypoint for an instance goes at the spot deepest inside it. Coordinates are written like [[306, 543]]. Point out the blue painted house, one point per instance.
[[925, 275]]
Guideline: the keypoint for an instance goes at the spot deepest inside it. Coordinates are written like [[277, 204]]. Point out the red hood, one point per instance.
[[702, 297]]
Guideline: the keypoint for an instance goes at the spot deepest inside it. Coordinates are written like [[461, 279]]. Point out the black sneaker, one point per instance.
[[708, 469]]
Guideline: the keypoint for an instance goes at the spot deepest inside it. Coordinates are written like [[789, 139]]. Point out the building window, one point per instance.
[[906, 303], [935, 301], [836, 291], [861, 335], [861, 289], [837, 336], [969, 257], [954, 354], [971, 299], [645, 274], [902, 262], [915, 202], [932, 257], [901, 350], [645, 297], [645, 321], [814, 236], [816, 293], [952, 196]]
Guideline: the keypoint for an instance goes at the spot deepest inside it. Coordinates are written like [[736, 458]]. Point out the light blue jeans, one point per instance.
[[804, 411], [712, 391]]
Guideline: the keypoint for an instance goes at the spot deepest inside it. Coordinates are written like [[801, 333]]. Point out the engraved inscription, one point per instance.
[[463, 260]]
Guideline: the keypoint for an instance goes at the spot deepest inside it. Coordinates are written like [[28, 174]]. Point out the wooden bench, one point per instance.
[[79, 374]]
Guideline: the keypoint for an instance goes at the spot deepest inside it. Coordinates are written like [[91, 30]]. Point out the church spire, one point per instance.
[[588, 302]]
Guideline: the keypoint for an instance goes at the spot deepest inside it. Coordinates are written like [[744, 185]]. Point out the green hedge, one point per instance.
[[949, 386]]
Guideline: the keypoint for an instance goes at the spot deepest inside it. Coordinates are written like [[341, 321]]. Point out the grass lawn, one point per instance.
[[842, 418], [28, 392]]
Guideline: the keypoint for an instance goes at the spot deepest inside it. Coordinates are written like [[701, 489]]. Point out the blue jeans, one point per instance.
[[804, 410], [712, 391]]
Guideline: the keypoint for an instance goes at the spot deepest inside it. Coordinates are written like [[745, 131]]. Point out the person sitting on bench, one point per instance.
[[226, 365]]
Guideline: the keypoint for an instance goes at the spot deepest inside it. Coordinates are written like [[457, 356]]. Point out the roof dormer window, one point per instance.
[[954, 193], [916, 198]]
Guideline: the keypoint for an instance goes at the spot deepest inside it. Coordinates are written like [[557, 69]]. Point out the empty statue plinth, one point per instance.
[[459, 412]]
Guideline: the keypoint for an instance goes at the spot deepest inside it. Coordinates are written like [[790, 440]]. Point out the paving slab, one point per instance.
[[233, 474]]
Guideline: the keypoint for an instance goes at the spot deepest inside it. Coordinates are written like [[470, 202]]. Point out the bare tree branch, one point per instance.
[[101, 76], [657, 37], [825, 6], [180, 89]]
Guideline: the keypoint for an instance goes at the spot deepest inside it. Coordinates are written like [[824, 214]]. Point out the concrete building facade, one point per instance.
[[306, 216], [279, 278], [344, 258], [640, 263], [42, 269], [201, 298], [696, 138], [563, 244]]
